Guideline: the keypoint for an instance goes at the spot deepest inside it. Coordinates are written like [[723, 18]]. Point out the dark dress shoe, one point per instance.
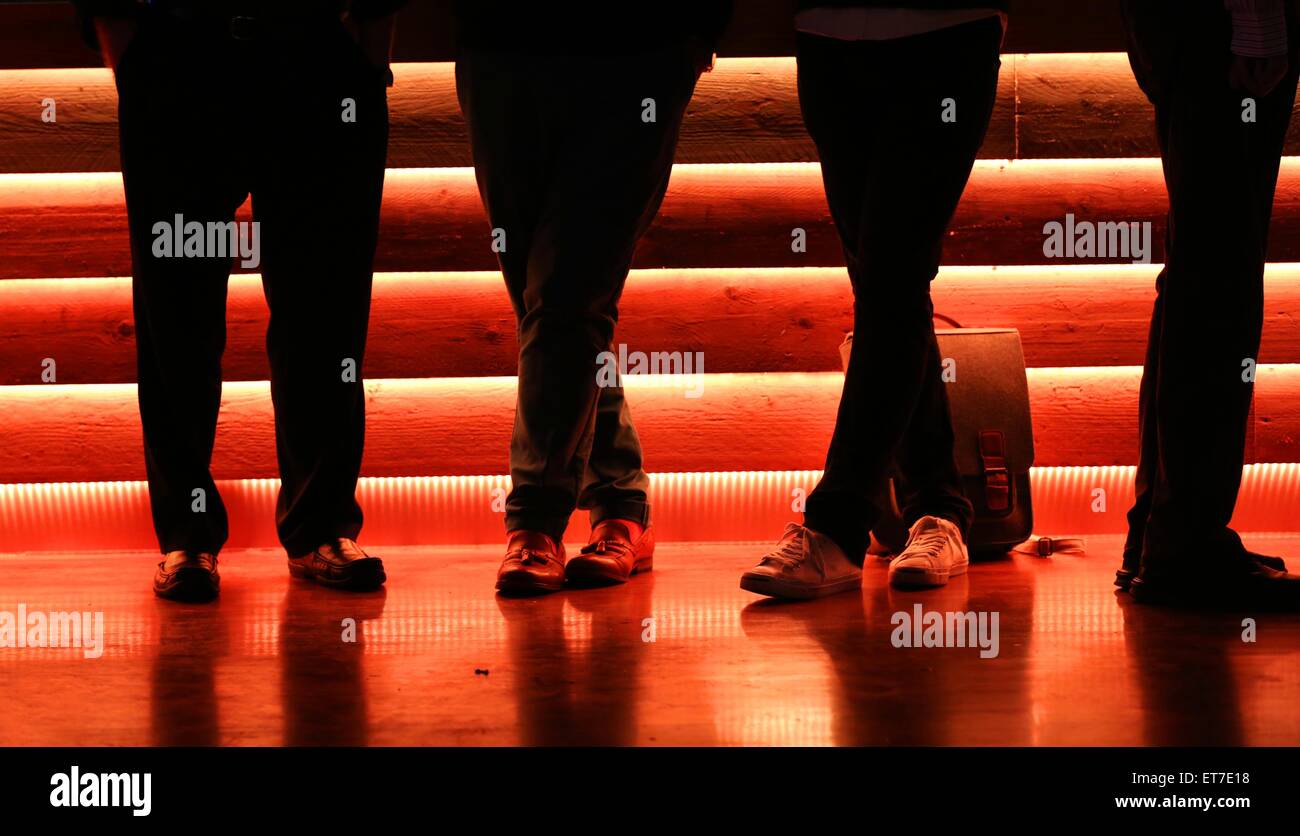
[[612, 556], [1133, 560], [534, 564], [187, 576], [1243, 583], [340, 564]]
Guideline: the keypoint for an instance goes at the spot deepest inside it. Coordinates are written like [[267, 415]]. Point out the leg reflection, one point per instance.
[[183, 688], [1185, 679], [578, 664], [884, 695], [322, 645]]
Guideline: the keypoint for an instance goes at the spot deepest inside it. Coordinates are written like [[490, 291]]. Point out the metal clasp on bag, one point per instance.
[[997, 479]]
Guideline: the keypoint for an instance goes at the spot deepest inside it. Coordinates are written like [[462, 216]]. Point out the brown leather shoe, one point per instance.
[[187, 576], [340, 564], [611, 555], [534, 563]]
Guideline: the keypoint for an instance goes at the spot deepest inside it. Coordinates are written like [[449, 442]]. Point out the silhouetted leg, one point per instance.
[[317, 196], [180, 158], [928, 482], [603, 172], [894, 169], [1221, 172]]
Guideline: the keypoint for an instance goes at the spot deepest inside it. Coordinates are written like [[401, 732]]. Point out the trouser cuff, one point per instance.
[[551, 526], [634, 510], [306, 544], [193, 546]]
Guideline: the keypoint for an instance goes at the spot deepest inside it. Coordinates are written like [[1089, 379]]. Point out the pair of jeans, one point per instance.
[[571, 172], [207, 119], [897, 125], [1221, 173]]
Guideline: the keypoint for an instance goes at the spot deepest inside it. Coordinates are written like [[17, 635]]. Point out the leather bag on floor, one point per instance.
[[993, 437]]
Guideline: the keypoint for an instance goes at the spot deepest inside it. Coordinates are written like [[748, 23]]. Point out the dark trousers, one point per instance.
[[572, 175], [1221, 173], [206, 120], [894, 171]]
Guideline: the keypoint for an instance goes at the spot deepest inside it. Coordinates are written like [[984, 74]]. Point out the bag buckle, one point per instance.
[[997, 479]]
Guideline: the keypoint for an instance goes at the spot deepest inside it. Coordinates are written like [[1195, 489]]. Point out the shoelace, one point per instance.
[[789, 554], [928, 543]]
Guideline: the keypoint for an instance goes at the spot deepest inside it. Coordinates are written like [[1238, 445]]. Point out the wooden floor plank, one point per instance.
[[440, 661]]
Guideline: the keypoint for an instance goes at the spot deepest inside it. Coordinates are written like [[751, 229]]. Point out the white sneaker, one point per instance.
[[805, 564], [934, 553]]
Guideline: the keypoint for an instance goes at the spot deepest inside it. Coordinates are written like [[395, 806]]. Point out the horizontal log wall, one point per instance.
[[64, 225], [746, 110], [1081, 416], [782, 320], [695, 507], [45, 34], [768, 320]]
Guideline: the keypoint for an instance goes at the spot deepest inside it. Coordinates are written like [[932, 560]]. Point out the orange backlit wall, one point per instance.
[[453, 426], [460, 509], [716, 273], [737, 214], [785, 319]]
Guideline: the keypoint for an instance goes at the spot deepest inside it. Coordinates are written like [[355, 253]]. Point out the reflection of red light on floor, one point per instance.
[[752, 505]]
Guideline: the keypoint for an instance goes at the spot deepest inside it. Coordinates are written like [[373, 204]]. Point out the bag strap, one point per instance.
[[1048, 546]]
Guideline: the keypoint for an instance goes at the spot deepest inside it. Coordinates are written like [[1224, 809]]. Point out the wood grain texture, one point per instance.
[[1078, 665], [83, 133], [1081, 416], [745, 110], [68, 225], [44, 34], [1088, 105], [1049, 106], [743, 320]]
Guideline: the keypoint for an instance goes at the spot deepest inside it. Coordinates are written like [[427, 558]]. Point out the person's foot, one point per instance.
[[1242, 582], [616, 550], [1132, 561], [882, 550], [340, 564], [187, 576], [534, 563], [888, 537], [804, 564], [935, 552]]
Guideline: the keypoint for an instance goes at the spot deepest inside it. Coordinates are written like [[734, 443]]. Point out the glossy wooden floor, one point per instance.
[[440, 660]]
